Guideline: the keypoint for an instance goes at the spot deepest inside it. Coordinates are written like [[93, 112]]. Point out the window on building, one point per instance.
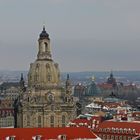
[[121, 130], [125, 130], [49, 77], [62, 137], [117, 130], [36, 77], [120, 137], [28, 120], [10, 138], [124, 138], [46, 46], [39, 121], [134, 131], [116, 137], [104, 137], [108, 137], [38, 137], [112, 137], [63, 120], [52, 121]]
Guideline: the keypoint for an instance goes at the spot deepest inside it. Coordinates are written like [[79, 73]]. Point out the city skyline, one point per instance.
[[85, 35]]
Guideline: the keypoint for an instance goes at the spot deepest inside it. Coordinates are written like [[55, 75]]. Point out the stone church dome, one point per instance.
[[45, 102], [44, 71]]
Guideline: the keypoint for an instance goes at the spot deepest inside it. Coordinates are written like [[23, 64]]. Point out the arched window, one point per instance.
[[46, 46], [36, 77], [39, 121], [28, 120], [37, 72], [49, 77], [63, 120], [52, 121]]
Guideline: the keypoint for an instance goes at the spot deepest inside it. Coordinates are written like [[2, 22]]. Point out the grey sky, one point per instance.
[[85, 34]]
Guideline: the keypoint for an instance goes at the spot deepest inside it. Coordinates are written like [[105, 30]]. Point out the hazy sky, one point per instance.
[[85, 34]]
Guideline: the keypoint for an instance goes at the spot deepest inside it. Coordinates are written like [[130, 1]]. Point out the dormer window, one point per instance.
[[38, 137], [125, 130], [62, 137], [130, 131], [117, 130], [134, 131], [10, 138], [121, 130], [113, 130]]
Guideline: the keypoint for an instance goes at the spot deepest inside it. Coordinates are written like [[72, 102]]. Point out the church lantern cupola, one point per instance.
[[44, 34]]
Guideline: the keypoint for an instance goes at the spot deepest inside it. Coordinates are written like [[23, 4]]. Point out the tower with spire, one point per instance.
[[111, 80], [45, 103], [22, 83]]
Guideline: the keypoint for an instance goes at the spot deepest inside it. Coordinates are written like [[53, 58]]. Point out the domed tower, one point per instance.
[[112, 80], [43, 72], [92, 89], [45, 103]]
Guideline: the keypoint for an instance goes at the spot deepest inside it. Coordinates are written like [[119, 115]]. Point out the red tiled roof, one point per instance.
[[105, 86], [134, 114], [116, 124], [47, 133], [112, 105], [78, 121]]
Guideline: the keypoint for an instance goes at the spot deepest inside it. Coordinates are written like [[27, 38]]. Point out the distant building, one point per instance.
[[9, 90], [111, 80], [45, 102], [109, 85], [90, 122], [79, 91], [6, 117], [112, 98], [92, 89], [6, 112], [118, 130]]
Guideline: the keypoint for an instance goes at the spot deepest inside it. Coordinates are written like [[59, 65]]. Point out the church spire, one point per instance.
[[22, 83], [21, 78], [111, 74], [44, 25], [68, 83], [68, 76]]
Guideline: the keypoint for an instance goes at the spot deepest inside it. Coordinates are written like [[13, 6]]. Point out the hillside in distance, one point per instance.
[[83, 77]]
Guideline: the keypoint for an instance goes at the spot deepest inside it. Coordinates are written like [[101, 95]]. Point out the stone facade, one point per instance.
[[45, 103]]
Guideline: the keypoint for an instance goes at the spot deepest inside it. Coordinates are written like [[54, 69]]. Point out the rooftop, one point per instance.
[[47, 133]]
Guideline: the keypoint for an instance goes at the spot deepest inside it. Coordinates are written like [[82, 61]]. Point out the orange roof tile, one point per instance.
[[116, 124], [47, 133]]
